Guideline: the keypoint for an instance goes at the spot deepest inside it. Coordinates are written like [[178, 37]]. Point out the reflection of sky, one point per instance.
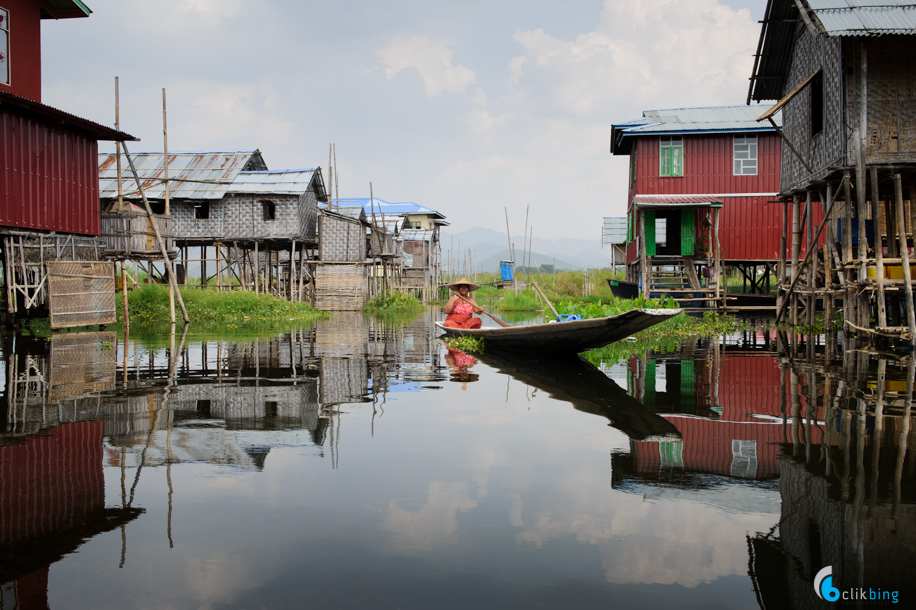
[[496, 488]]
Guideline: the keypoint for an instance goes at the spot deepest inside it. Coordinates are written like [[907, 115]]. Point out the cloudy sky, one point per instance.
[[465, 107]]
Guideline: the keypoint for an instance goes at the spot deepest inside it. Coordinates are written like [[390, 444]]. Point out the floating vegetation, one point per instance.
[[391, 302], [465, 344], [150, 303]]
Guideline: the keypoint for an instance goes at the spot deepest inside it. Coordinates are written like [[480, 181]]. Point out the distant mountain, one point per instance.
[[489, 244]]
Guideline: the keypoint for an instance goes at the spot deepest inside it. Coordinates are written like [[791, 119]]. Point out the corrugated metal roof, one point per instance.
[[282, 182], [58, 117], [649, 201], [389, 208], [864, 17], [698, 120], [415, 235], [192, 175]]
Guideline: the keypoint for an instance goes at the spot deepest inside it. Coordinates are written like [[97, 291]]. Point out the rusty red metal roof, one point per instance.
[[54, 117]]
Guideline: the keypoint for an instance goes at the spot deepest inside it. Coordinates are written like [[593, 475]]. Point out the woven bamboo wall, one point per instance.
[[891, 98], [340, 287], [241, 216], [131, 232], [829, 147], [80, 294], [82, 363], [340, 239]]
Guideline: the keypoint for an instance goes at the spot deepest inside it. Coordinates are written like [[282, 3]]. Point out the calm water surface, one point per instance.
[[358, 463]]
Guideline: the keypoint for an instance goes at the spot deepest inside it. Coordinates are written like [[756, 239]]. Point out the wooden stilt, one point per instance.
[[905, 255]]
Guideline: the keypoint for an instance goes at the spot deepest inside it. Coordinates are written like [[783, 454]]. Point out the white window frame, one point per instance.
[[6, 73], [745, 159]]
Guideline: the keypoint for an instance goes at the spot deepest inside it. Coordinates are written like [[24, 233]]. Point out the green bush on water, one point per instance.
[[465, 344], [610, 306], [150, 303], [391, 302]]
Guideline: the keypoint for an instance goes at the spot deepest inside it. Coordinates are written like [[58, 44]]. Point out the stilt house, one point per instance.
[[700, 184], [340, 273], [255, 220], [49, 195], [843, 75]]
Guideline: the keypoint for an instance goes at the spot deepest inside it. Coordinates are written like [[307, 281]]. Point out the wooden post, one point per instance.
[[152, 219], [878, 218], [905, 255], [118, 151], [165, 167], [257, 264], [301, 274], [124, 300], [796, 246], [809, 230], [782, 283], [717, 252], [643, 262]]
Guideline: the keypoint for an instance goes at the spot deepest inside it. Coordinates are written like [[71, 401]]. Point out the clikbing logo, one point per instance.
[[823, 586]]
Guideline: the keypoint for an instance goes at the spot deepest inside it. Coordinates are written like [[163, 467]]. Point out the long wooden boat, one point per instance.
[[566, 337], [573, 379]]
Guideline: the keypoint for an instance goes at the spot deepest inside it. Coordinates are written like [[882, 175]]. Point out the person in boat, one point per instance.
[[460, 312]]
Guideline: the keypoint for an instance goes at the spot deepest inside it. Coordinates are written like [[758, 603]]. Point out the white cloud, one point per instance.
[[432, 59]]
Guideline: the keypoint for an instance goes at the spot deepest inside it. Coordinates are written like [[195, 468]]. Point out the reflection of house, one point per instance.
[[700, 179], [729, 416], [53, 495], [844, 508], [49, 208]]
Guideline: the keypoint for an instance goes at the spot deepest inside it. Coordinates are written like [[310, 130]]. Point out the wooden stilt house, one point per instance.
[[259, 224], [842, 73], [701, 180], [49, 207], [340, 272]]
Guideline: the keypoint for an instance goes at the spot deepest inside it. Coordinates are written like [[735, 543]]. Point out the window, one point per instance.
[[416, 224], [4, 47], [202, 210], [671, 156], [269, 208], [745, 155], [817, 103]]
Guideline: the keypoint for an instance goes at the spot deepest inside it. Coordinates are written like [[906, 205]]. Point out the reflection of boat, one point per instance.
[[567, 337], [575, 380]]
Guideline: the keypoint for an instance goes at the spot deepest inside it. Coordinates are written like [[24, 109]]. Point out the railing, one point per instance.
[[132, 233]]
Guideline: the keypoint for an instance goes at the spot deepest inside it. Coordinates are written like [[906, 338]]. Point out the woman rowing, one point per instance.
[[461, 306]]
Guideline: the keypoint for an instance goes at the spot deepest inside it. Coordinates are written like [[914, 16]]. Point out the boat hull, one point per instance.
[[566, 337]]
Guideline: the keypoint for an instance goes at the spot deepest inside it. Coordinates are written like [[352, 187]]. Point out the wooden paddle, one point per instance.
[[502, 323]]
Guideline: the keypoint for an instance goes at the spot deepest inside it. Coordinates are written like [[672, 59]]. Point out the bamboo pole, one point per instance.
[[124, 298], [165, 167], [905, 255], [152, 218], [796, 246], [118, 149], [878, 217], [809, 230], [796, 274]]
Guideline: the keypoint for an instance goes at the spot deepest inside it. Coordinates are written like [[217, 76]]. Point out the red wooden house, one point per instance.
[[49, 188], [702, 182]]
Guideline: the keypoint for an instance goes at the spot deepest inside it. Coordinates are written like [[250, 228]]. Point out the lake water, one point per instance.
[[358, 463]]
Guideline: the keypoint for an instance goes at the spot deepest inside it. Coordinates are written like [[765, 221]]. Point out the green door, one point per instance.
[[688, 232], [649, 216]]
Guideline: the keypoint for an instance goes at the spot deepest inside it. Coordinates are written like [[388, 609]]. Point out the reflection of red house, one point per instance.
[[744, 440], [52, 498]]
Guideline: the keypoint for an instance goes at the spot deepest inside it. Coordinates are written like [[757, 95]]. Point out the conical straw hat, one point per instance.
[[464, 280]]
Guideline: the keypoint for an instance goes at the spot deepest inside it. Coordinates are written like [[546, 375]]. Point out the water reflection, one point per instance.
[[224, 470]]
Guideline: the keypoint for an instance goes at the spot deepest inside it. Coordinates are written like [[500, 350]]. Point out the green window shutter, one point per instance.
[[630, 226], [688, 232], [649, 385], [649, 216], [677, 161], [671, 453], [688, 384]]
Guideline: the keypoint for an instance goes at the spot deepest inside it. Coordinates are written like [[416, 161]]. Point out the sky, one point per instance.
[[467, 107]]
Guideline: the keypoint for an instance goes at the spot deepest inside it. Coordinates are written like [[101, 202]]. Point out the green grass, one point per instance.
[[150, 303], [393, 302], [525, 300]]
